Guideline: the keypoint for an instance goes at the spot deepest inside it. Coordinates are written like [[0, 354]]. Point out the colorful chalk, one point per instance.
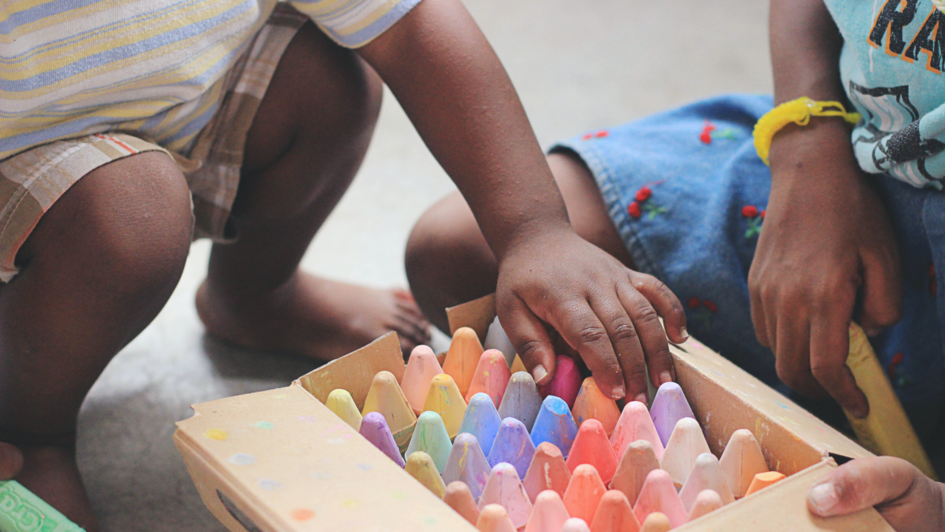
[[517, 365], [430, 437], [445, 399], [505, 488], [763, 480], [458, 497], [584, 492], [494, 518], [684, 446], [614, 514], [741, 461], [462, 358], [421, 467], [386, 397], [422, 366], [467, 463], [591, 446], [575, 524], [554, 425], [637, 462], [513, 445], [491, 377], [659, 495], [635, 424], [548, 471], [374, 429], [566, 381], [669, 406], [521, 399], [481, 420], [706, 475], [656, 522], [548, 513], [706, 502], [342, 404], [497, 339], [591, 403]]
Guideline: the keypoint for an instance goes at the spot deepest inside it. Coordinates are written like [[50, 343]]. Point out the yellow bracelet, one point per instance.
[[798, 111]]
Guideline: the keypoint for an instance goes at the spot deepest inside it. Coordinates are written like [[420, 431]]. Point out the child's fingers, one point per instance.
[[578, 324], [531, 341], [665, 302], [758, 318], [829, 348], [882, 292], [793, 357], [625, 335], [11, 461], [652, 336], [864, 483]]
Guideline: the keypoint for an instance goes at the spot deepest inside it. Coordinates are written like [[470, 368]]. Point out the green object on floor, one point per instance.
[[21, 510]]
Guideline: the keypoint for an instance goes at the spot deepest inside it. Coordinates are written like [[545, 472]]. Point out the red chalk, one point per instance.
[[591, 446]]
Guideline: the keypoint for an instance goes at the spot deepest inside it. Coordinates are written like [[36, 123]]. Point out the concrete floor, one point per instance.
[[575, 69]]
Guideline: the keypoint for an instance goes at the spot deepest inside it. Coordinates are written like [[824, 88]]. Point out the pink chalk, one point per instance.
[[491, 377], [635, 424], [566, 381], [659, 495]]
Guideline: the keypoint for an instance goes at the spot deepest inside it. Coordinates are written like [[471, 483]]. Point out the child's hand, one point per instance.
[[605, 311], [907, 499], [825, 242], [11, 461]]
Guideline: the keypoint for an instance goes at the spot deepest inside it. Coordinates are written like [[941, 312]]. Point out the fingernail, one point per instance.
[[684, 333], [619, 392], [539, 373], [641, 398], [665, 377], [872, 332], [823, 497]]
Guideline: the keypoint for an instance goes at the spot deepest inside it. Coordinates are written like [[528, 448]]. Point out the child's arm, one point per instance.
[[907, 499], [826, 239], [454, 89]]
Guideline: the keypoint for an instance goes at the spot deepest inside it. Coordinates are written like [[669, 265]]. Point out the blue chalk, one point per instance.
[[481, 420], [513, 445], [554, 424]]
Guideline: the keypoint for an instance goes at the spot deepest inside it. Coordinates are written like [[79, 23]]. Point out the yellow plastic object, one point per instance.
[[886, 430], [798, 111]]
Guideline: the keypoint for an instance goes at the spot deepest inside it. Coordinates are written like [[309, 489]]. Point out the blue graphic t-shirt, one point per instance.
[[891, 66]]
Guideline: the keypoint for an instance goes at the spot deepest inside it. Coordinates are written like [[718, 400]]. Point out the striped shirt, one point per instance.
[[153, 68]]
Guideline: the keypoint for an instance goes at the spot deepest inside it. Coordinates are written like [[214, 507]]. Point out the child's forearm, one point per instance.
[[805, 51], [453, 87]]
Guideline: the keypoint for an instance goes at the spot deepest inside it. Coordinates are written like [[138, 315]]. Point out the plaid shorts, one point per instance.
[[32, 181]]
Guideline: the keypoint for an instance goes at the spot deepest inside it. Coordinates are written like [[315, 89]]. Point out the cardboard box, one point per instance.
[[281, 461]]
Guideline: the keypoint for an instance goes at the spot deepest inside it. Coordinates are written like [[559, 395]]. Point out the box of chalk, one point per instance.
[[466, 441]]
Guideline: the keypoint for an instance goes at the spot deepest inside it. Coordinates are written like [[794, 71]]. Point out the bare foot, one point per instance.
[[313, 317], [51, 473]]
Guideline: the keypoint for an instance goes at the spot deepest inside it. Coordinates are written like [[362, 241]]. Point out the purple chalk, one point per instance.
[[375, 430], [669, 406], [468, 464], [513, 445]]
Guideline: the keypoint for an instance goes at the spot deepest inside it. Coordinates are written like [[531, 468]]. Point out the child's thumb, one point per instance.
[[531, 340], [860, 484]]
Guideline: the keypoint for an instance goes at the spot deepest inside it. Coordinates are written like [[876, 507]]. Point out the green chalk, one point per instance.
[[21, 510]]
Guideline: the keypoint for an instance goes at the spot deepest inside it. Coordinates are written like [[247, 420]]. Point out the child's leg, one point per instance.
[[306, 143], [448, 261], [94, 272]]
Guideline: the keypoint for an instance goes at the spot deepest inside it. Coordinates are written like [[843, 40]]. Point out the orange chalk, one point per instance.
[[462, 358], [637, 462], [491, 377], [684, 446], [591, 446], [548, 514], [461, 501], [656, 522], [591, 403], [614, 514], [386, 398], [659, 495], [584, 492], [494, 518], [707, 501], [741, 461], [763, 480], [706, 475], [546, 472], [517, 365], [445, 399], [422, 366], [635, 424]]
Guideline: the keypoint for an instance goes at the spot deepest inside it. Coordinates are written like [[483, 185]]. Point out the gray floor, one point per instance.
[[576, 68]]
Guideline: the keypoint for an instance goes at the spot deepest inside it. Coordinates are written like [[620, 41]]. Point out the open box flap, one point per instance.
[[293, 463]]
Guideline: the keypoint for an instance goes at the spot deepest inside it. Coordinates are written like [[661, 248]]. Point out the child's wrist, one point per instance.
[[796, 147]]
